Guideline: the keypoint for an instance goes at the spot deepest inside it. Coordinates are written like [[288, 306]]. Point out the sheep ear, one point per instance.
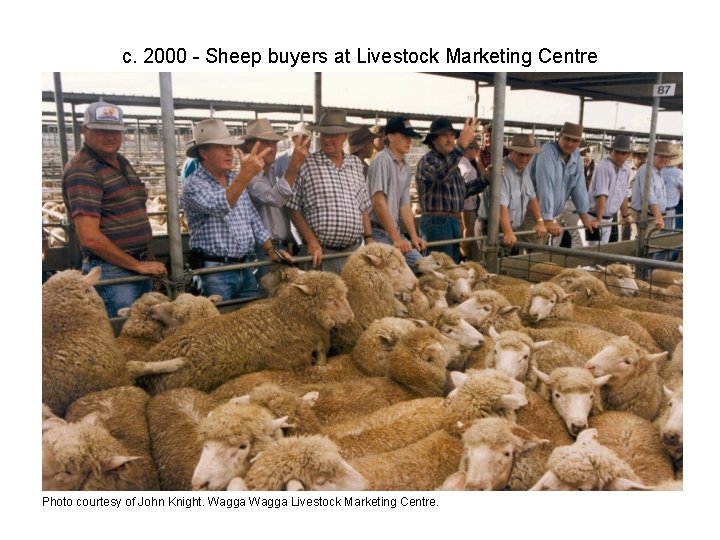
[[275, 426], [623, 484], [455, 482], [118, 461], [294, 485], [92, 419], [215, 298], [164, 313], [529, 439], [493, 333], [419, 323], [541, 344], [511, 401], [668, 394], [601, 381], [237, 484], [650, 359], [548, 481], [240, 400], [458, 378], [311, 398], [507, 310], [438, 274], [52, 423], [124, 312], [372, 259], [91, 278], [304, 288], [544, 377], [388, 340], [601, 268], [567, 296]]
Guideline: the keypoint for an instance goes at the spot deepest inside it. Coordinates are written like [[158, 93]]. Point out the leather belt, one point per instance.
[[226, 260], [595, 215], [456, 215]]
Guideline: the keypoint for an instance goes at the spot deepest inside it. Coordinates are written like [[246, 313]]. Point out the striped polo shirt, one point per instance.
[[92, 187]]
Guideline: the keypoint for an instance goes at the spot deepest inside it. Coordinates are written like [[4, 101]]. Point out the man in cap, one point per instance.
[[330, 205], [558, 175], [270, 192], [441, 188], [361, 144], [517, 194], [657, 201], [296, 135], [609, 188], [106, 201], [389, 180], [224, 225]]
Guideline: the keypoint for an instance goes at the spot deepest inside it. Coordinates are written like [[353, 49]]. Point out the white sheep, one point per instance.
[[514, 355], [435, 261]]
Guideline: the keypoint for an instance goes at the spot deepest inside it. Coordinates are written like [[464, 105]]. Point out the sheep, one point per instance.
[[452, 325], [490, 308], [550, 306], [513, 354], [635, 385], [637, 442], [79, 351], [435, 261], [373, 274], [670, 424], [459, 284], [491, 446], [672, 294], [308, 463], [665, 277], [434, 286], [371, 351], [188, 429], [298, 410], [278, 333], [674, 367], [121, 411], [574, 393], [279, 277], [587, 465], [544, 270], [618, 278], [184, 309]]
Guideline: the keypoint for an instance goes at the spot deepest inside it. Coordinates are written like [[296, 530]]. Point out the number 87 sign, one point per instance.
[[664, 90]]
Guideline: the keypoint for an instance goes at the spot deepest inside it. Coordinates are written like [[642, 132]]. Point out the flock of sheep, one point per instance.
[[374, 379]]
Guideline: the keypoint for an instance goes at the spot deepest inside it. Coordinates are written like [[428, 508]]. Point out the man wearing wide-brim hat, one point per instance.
[[361, 145], [268, 190], [330, 205], [441, 188], [296, 134], [673, 177], [559, 176], [107, 202], [517, 194], [609, 188], [225, 227], [657, 200]]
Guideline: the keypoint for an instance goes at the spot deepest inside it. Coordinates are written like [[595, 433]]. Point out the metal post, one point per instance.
[[60, 110], [317, 108], [171, 184], [75, 129], [496, 150], [582, 110], [139, 146], [159, 141], [477, 98], [302, 113]]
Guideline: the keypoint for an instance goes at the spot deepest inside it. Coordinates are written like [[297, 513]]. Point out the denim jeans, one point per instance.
[[434, 228], [411, 257], [230, 285], [116, 296]]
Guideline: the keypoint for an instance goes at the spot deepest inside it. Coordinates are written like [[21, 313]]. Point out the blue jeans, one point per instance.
[[434, 228], [231, 284], [411, 257], [116, 296]]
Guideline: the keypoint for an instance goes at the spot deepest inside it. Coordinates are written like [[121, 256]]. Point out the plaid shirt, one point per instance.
[[216, 227], [440, 184], [332, 199]]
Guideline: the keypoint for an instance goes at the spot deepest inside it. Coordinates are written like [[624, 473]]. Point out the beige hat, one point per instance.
[[664, 149], [359, 138], [677, 157], [210, 131], [301, 128], [261, 129], [572, 131], [640, 149], [524, 143], [333, 122]]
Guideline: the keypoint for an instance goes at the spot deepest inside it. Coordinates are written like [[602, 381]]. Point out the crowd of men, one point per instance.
[[245, 202]]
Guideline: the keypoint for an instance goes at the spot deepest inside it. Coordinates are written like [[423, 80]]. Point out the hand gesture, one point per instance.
[[301, 149], [251, 164], [468, 132]]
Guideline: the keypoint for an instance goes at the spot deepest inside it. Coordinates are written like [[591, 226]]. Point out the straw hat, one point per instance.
[[211, 131], [664, 149], [677, 157], [261, 129], [333, 122]]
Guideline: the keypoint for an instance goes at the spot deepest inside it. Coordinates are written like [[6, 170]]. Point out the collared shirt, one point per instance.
[[469, 173], [516, 191], [93, 187], [440, 185], [391, 177], [332, 199], [282, 162], [219, 229], [611, 181], [657, 195], [269, 194], [556, 181], [673, 178]]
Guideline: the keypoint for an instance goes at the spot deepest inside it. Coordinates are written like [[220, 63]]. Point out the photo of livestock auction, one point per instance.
[[362, 282]]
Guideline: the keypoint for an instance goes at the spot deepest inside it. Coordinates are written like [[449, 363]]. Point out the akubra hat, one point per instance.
[[640, 149], [438, 126], [664, 149], [621, 143], [261, 129], [211, 131], [524, 143], [677, 157], [333, 122], [359, 138], [301, 128], [572, 131]]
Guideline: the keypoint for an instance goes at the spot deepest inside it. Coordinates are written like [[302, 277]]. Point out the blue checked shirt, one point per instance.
[[557, 181], [440, 184], [216, 227]]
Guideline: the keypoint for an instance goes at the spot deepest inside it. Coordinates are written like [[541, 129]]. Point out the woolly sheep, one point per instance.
[[435, 261], [279, 277], [618, 278], [587, 465], [490, 308], [309, 463], [674, 367], [278, 333], [371, 351], [574, 393], [665, 277], [459, 284], [513, 354], [634, 385], [452, 325], [670, 424], [637, 442], [298, 410], [550, 306], [544, 271], [373, 274], [79, 351], [434, 286]]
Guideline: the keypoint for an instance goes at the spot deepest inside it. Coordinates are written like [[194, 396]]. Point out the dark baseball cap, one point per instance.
[[400, 124]]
